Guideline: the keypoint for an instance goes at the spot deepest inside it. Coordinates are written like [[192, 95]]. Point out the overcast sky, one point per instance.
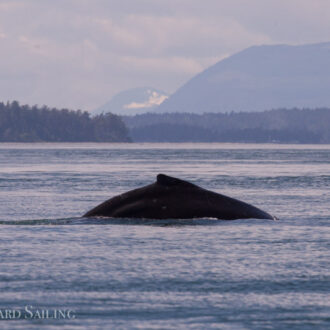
[[79, 53]]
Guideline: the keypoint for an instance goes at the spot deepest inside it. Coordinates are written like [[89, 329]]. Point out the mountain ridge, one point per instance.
[[256, 79]]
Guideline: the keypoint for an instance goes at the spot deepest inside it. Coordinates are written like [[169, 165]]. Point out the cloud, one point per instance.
[[173, 64], [78, 53]]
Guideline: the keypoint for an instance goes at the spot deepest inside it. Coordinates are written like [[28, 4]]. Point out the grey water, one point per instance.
[[171, 274]]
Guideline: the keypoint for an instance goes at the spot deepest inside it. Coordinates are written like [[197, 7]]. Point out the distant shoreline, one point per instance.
[[26, 124], [293, 126], [158, 145]]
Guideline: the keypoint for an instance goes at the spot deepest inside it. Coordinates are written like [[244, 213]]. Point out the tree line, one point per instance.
[[275, 126], [23, 123]]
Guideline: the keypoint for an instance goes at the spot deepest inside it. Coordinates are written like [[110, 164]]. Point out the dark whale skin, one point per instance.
[[172, 198]]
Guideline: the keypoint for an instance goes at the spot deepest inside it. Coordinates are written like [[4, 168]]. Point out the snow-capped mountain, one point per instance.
[[133, 101]]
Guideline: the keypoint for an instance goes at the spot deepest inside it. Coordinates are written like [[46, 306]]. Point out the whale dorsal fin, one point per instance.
[[166, 180]]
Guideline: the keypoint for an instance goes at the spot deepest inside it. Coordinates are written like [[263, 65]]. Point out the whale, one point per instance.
[[173, 198]]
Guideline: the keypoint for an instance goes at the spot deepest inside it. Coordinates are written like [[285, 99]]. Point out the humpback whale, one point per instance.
[[172, 198]]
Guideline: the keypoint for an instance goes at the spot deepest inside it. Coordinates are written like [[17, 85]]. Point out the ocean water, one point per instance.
[[171, 274]]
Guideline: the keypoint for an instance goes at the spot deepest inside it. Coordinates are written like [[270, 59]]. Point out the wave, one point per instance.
[[130, 221]]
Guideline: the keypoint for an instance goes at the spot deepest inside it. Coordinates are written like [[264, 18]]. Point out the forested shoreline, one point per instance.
[[273, 126], [23, 123]]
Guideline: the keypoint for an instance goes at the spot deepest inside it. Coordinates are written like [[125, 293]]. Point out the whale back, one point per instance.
[[174, 198], [169, 181]]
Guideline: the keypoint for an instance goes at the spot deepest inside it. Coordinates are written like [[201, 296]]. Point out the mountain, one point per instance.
[[133, 101], [257, 79]]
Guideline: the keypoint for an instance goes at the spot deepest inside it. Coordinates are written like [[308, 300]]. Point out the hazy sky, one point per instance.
[[78, 53]]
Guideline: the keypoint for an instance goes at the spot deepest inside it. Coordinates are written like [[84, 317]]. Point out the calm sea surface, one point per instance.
[[199, 274]]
